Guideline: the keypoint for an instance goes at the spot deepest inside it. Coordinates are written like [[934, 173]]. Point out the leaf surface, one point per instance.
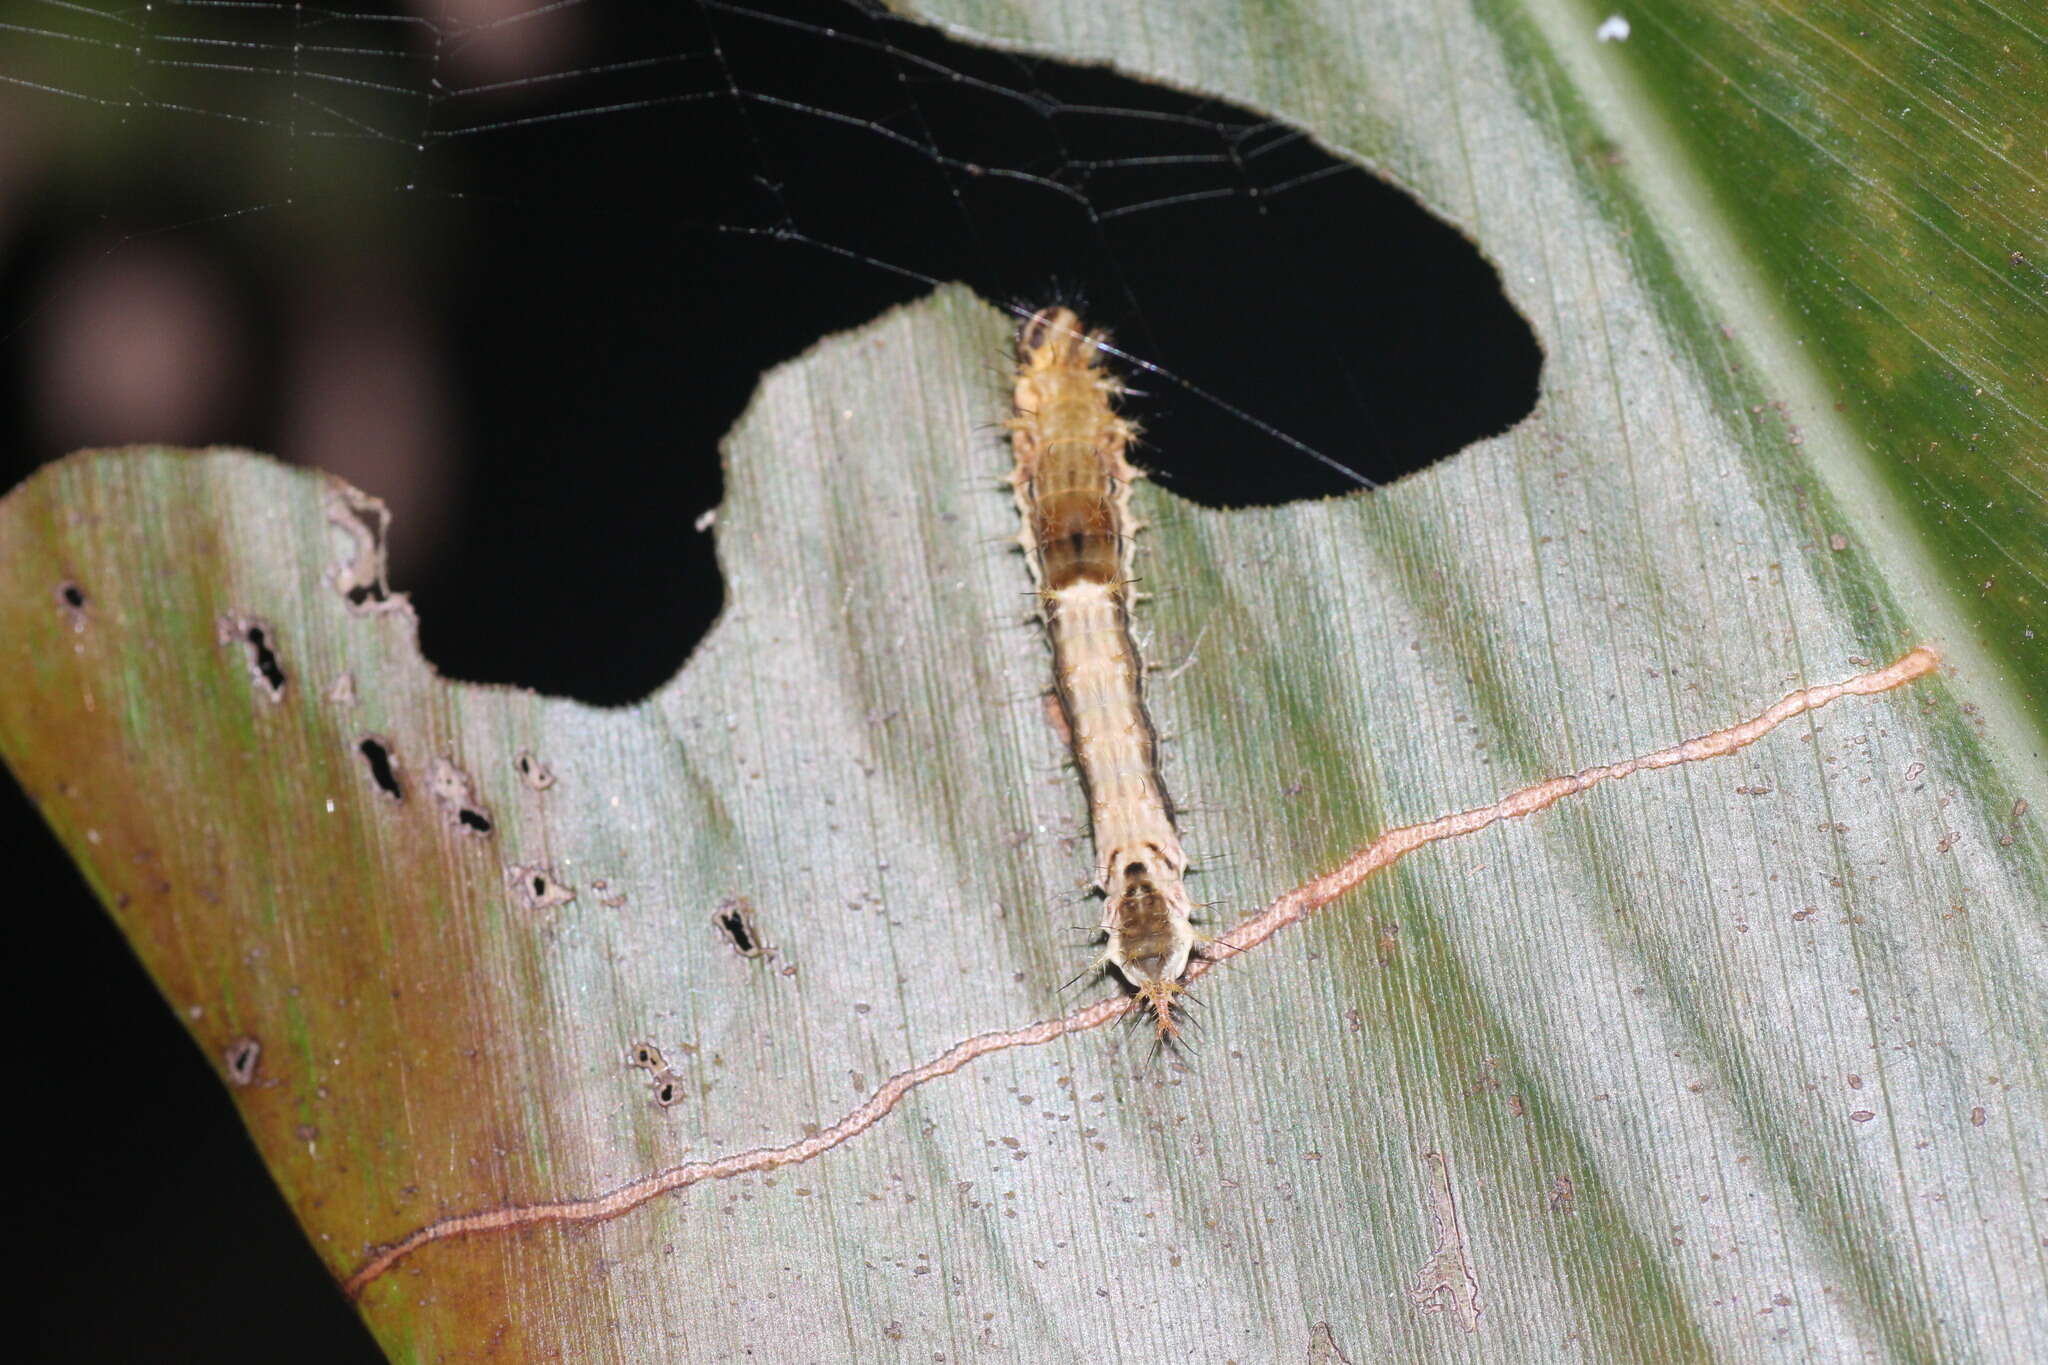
[[1731, 1058]]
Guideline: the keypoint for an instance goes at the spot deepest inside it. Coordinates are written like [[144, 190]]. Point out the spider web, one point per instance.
[[451, 253]]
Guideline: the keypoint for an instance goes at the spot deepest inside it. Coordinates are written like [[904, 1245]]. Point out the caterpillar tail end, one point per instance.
[[1159, 996]]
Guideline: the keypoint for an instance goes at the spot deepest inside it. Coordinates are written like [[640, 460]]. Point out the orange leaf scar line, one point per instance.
[[1288, 909], [1073, 486], [623, 1199], [1396, 844]]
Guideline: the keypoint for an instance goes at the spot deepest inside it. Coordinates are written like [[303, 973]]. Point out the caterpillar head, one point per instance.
[[1054, 337]]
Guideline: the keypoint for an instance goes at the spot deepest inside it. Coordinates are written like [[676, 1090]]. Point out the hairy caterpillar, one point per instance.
[[1073, 489]]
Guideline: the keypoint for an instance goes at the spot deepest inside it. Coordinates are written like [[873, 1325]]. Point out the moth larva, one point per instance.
[[1073, 487]]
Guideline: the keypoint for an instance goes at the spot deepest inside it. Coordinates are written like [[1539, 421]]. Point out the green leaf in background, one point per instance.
[[1730, 1061]]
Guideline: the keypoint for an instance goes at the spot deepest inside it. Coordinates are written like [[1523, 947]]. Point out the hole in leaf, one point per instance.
[[259, 643], [735, 921], [241, 1058], [1255, 267], [648, 1057], [1251, 264], [456, 795], [536, 888], [383, 761], [264, 659], [71, 601], [532, 771]]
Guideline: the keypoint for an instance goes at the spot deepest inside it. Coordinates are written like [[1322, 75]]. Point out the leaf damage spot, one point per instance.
[[259, 643], [241, 1058], [663, 1084], [382, 757], [343, 690], [535, 887], [1447, 1283], [456, 795], [532, 771], [734, 919], [71, 601], [359, 576]]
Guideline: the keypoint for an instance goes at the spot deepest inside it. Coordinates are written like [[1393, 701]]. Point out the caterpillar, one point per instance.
[[1072, 483]]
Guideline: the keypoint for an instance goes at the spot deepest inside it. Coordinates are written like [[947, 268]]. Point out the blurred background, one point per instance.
[[516, 268]]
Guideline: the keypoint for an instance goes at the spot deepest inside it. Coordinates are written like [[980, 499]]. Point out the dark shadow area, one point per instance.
[[523, 300], [155, 1232], [607, 260], [1306, 293]]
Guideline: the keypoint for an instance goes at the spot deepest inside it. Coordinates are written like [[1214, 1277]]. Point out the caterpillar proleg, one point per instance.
[[1073, 488]]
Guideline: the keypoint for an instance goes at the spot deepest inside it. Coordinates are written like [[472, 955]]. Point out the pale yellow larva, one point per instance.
[[1073, 486]]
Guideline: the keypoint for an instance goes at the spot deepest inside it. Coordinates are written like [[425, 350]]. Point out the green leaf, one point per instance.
[[1734, 1058]]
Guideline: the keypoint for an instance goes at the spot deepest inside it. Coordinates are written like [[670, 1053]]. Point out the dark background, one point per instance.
[[528, 333]]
